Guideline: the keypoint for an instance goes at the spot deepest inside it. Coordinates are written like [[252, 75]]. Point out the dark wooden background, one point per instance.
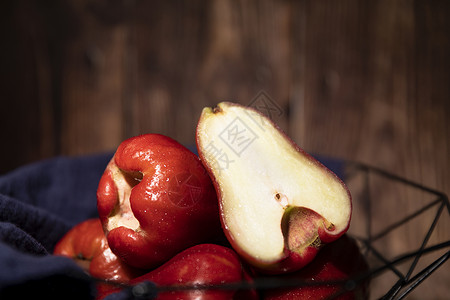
[[359, 80]]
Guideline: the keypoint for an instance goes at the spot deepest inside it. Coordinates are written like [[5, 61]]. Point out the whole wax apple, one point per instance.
[[278, 205], [86, 244], [340, 262], [201, 266], [154, 200]]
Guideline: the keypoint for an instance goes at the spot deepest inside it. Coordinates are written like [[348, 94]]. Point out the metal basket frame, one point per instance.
[[406, 283]]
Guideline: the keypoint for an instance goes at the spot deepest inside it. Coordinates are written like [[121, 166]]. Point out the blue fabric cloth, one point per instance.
[[39, 203]]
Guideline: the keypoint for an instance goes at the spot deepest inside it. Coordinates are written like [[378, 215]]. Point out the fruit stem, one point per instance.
[[216, 109]]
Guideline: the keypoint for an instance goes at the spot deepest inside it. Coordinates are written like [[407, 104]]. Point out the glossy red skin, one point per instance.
[[202, 265], [86, 244], [292, 261], [339, 260], [166, 227]]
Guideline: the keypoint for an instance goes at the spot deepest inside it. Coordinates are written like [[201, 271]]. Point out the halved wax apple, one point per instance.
[[278, 204]]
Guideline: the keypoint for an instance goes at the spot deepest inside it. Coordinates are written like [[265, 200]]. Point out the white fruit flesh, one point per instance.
[[122, 215], [259, 174]]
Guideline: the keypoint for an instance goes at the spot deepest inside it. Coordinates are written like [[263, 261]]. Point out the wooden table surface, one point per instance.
[[358, 80]]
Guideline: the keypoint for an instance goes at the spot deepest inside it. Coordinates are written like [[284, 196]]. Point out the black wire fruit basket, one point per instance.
[[395, 223]]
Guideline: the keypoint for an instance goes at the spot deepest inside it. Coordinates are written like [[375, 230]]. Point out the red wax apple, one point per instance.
[[154, 200], [338, 261], [86, 244], [201, 265], [278, 205]]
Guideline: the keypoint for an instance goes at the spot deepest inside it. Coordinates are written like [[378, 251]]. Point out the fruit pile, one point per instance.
[[251, 205]]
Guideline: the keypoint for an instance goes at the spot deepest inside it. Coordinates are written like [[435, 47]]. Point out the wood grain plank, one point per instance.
[[92, 85], [26, 119], [371, 90]]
